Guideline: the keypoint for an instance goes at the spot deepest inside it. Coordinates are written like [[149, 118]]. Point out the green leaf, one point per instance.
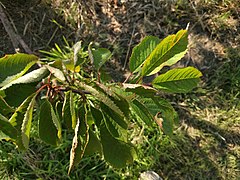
[[99, 56], [118, 99], [76, 151], [7, 128], [100, 96], [69, 64], [118, 153], [48, 126], [76, 49], [66, 112], [72, 110], [21, 120], [114, 116], [5, 109], [89, 139], [107, 90], [4, 136], [94, 145], [165, 115], [142, 112], [81, 138], [139, 89], [69, 110], [97, 116], [178, 80], [17, 93], [123, 105], [33, 76], [171, 61], [155, 109], [14, 66], [58, 110], [56, 72], [168, 49], [141, 52], [113, 127], [27, 121]]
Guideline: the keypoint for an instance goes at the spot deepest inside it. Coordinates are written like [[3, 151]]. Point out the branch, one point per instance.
[[15, 38]]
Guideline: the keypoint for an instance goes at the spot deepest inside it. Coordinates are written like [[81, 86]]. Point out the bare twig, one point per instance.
[[198, 16], [15, 38], [129, 47]]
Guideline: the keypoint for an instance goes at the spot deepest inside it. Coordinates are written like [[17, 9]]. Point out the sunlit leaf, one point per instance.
[[169, 49], [75, 153], [33, 76], [140, 89], [141, 52], [14, 66], [178, 80], [56, 72]]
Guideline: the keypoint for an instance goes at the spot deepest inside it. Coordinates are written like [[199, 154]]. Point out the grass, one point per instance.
[[206, 145]]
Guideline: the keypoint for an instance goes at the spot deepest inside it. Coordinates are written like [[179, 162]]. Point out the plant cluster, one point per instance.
[[68, 91]]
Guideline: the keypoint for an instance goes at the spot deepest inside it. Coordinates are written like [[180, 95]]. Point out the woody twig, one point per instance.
[[15, 38]]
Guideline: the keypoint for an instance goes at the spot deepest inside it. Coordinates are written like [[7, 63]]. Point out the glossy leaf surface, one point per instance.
[[178, 80], [141, 52], [168, 48], [14, 66]]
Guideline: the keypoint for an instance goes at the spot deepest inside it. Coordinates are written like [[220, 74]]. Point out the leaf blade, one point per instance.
[[178, 80], [27, 121], [31, 77], [7, 128], [102, 98], [18, 121], [99, 56], [14, 66], [118, 153], [165, 50], [47, 129], [141, 52]]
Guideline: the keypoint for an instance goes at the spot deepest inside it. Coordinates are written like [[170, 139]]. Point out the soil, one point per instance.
[[120, 25]]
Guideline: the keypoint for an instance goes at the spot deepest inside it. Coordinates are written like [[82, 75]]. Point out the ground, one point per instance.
[[206, 144]]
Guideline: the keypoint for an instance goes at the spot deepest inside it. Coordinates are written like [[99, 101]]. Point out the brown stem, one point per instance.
[[128, 78], [15, 38]]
